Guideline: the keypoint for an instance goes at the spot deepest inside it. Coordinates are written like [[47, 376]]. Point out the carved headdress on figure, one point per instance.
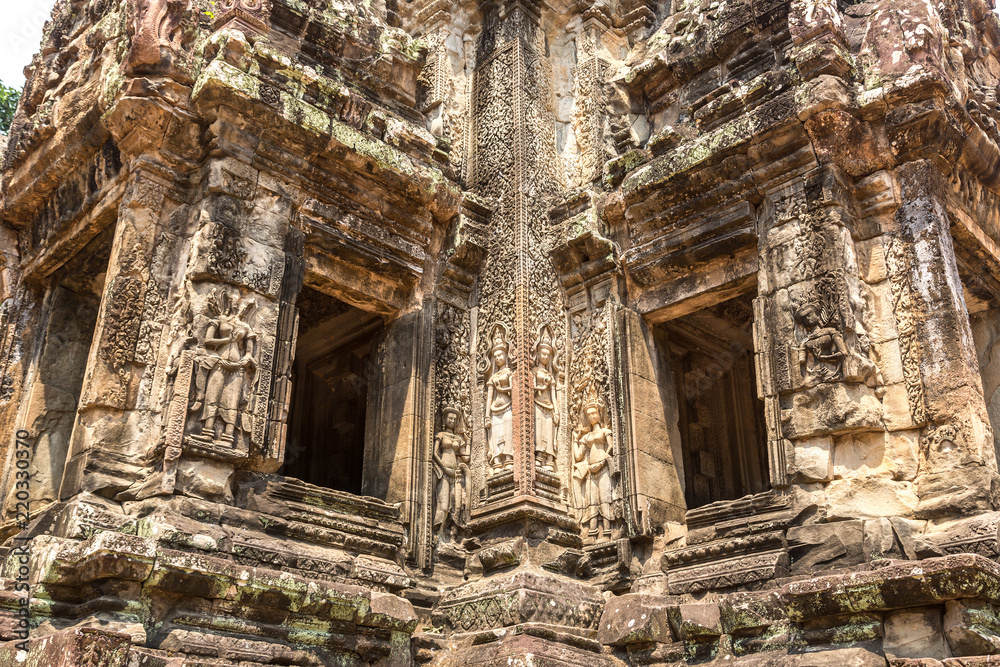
[[544, 340], [498, 340], [591, 399], [459, 419]]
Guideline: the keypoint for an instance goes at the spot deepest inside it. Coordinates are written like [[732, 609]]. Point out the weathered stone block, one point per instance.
[[890, 361], [858, 454], [971, 488], [812, 460], [915, 633], [902, 454], [204, 478], [636, 619], [831, 408], [78, 647], [977, 535], [870, 497], [825, 545], [881, 320], [972, 627], [696, 622], [880, 540]]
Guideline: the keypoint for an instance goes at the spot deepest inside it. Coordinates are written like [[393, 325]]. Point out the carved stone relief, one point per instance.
[[222, 251], [228, 348], [156, 26], [217, 383], [589, 368], [226, 370], [515, 167], [832, 346], [451, 471], [594, 469], [499, 421], [451, 363], [590, 119], [546, 393], [450, 480], [593, 459]]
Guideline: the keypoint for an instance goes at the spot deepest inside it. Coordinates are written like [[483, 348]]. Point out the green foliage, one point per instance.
[[8, 104]]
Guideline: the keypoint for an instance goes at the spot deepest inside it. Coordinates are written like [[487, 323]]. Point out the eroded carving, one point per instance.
[[248, 15], [226, 369], [156, 26], [898, 265], [829, 350]]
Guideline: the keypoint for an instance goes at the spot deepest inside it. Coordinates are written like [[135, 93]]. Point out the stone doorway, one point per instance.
[[330, 382], [981, 291], [71, 304], [720, 417]]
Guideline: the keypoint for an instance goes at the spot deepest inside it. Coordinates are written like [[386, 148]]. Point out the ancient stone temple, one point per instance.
[[503, 332]]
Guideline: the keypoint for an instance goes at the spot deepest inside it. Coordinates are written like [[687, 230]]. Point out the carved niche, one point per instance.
[[229, 347], [226, 370], [451, 478], [595, 491], [215, 406], [594, 469]]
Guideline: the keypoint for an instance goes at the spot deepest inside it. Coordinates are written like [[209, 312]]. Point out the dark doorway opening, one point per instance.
[[326, 437], [721, 419], [981, 290]]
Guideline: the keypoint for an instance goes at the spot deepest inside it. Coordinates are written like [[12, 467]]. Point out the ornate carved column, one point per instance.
[[515, 168], [224, 381], [613, 361], [435, 17]]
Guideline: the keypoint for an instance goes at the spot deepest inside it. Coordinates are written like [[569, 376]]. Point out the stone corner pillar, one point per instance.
[[946, 393], [397, 460]]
